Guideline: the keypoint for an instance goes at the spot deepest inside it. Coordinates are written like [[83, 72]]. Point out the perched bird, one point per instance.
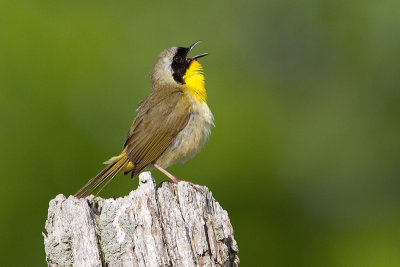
[[172, 124]]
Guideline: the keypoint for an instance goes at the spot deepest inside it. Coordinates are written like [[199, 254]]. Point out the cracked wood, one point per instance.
[[172, 225]]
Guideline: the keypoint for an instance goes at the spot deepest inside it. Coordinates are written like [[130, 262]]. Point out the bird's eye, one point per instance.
[[177, 59]]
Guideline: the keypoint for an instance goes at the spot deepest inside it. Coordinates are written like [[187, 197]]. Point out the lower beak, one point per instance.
[[199, 56]]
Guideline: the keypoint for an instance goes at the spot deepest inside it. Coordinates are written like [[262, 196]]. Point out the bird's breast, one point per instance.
[[192, 138]]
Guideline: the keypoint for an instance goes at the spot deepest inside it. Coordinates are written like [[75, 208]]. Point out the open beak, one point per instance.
[[198, 56]]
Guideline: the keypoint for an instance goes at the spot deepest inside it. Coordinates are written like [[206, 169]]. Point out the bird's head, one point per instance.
[[174, 68]]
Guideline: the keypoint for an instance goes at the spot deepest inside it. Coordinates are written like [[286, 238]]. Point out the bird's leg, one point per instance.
[[173, 178]]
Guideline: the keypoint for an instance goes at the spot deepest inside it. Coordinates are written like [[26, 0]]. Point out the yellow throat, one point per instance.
[[194, 81]]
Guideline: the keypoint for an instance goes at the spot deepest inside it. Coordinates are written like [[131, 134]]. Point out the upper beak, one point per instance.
[[198, 56]]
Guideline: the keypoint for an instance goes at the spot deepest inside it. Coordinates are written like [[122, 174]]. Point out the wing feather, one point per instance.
[[155, 127]]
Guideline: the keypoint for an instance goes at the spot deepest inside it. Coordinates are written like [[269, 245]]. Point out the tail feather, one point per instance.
[[104, 177]]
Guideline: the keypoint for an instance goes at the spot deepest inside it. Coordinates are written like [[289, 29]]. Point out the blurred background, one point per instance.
[[305, 94]]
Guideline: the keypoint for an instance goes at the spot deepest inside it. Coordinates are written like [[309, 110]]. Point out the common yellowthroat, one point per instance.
[[172, 124]]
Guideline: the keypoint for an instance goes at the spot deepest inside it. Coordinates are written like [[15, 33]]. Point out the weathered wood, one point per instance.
[[172, 225]]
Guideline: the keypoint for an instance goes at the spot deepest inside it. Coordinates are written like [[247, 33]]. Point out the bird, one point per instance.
[[172, 124]]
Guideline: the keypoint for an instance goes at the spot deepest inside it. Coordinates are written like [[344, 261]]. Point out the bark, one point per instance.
[[171, 225]]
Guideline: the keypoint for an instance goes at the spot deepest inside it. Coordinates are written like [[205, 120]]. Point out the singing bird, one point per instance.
[[172, 124]]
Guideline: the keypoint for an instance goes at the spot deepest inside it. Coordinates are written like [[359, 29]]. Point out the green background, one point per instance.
[[305, 94]]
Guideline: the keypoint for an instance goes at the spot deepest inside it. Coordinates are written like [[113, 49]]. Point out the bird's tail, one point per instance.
[[115, 165]]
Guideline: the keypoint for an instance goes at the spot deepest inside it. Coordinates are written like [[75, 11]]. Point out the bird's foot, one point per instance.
[[173, 178], [194, 187]]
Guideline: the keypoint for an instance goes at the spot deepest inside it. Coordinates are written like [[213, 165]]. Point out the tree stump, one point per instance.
[[171, 225]]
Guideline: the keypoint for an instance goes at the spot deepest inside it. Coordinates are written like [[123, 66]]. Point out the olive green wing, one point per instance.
[[154, 128]]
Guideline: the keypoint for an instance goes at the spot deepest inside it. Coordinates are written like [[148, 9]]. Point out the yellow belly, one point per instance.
[[191, 139]]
